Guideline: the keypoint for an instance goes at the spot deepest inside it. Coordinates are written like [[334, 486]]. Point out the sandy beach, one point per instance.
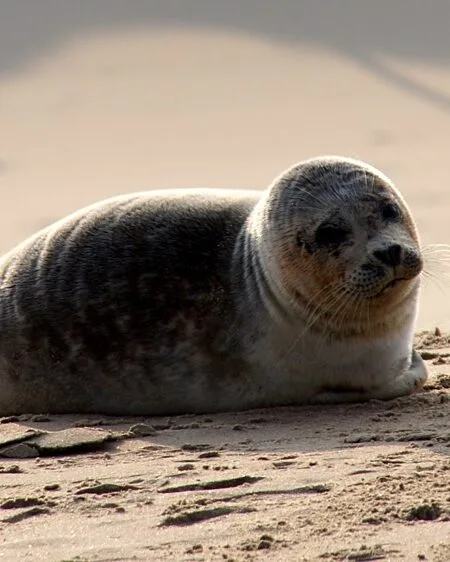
[[106, 97]]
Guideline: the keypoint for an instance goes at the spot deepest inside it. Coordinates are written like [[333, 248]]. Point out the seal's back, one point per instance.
[[105, 302]]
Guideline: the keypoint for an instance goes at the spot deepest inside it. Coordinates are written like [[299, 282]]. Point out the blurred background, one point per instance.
[[100, 97]]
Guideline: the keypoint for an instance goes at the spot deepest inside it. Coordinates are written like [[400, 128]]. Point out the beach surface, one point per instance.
[[107, 97]]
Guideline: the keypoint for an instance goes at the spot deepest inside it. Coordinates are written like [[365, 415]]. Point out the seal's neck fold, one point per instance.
[[260, 269]]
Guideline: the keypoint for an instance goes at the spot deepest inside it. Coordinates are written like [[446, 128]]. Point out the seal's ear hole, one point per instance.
[[390, 211], [331, 235]]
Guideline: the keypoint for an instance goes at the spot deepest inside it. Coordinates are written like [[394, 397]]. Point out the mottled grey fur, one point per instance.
[[167, 302]]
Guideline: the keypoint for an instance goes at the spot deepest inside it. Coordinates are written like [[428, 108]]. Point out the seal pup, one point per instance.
[[178, 301]]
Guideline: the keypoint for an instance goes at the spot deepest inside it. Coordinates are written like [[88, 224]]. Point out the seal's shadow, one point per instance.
[[418, 420]]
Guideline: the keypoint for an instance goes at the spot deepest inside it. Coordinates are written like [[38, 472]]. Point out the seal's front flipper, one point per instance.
[[409, 382], [419, 369]]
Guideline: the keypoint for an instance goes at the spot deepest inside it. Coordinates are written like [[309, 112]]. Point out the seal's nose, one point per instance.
[[390, 255]]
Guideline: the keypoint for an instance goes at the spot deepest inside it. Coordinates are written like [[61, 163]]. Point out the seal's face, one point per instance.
[[369, 243], [354, 243]]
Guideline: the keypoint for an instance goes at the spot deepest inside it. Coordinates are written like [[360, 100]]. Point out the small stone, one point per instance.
[[362, 438], [106, 488], [16, 433], [195, 549], [9, 419], [142, 430], [13, 469], [71, 440], [184, 467], [195, 447], [20, 451], [52, 487], [424, 512], [209, 455], [428, 355], [21, 502]]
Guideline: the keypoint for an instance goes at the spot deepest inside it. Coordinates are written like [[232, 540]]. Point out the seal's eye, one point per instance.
[[330, 235], [390, 211]]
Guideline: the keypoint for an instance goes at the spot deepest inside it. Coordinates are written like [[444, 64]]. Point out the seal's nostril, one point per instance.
[[391, 255]]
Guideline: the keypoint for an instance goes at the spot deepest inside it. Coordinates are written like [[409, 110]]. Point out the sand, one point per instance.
[[105, 97]]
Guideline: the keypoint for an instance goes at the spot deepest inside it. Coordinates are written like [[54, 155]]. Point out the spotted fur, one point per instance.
[[207, 300]]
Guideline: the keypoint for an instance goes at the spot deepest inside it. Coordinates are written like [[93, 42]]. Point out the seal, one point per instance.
[[206, 300]]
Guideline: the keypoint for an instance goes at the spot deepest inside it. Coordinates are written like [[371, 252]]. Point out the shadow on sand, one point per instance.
[[360, 30]]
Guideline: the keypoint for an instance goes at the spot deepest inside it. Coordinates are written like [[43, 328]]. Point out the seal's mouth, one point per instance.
[[395, 282], [386, 288]]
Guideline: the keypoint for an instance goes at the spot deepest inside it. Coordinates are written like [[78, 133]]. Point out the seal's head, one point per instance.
[[344, 245]]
